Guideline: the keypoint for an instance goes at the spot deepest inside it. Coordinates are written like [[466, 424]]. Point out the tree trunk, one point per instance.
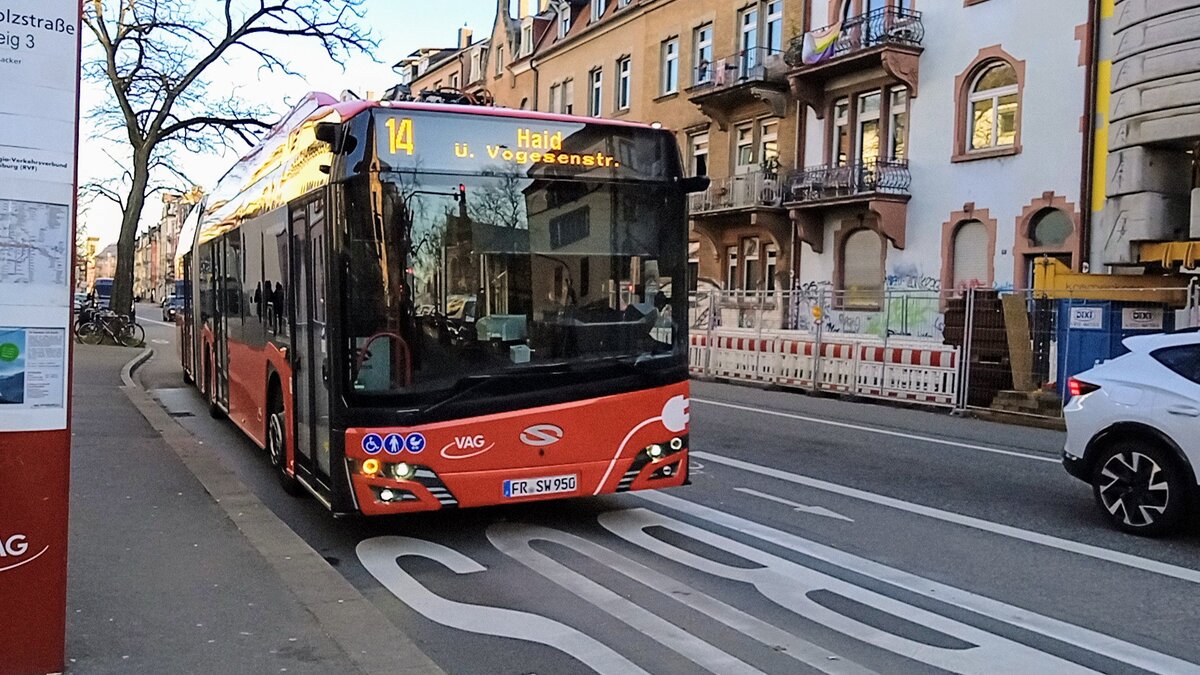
[[122, 292]]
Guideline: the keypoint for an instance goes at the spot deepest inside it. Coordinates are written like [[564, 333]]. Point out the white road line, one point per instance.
[[379, 556], [142, 319], [881, 432], [1093, 641], [1136, 562], [813, 510]]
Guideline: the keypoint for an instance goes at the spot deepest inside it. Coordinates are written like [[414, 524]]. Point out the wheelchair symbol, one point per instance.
[[372, 444]]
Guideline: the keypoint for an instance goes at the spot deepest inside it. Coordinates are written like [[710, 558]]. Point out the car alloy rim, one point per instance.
[[1136, 490], [276, 439]]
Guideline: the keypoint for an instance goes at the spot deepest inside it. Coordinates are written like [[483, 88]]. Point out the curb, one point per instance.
[[127, 371], [360, 629]]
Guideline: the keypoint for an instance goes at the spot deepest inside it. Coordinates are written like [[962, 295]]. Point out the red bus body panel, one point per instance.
[[598, 440]]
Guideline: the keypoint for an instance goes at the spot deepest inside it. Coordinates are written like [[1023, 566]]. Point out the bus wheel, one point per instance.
[[210, 390], [277, 445], [187, 378]]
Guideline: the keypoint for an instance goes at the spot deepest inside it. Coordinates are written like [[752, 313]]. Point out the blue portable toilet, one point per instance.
[[1090, 331]]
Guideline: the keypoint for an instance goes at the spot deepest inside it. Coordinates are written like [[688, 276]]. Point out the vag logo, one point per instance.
[[541, 435], [14, 549]]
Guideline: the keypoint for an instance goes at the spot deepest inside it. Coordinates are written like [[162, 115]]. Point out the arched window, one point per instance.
[[994, 107], [1050, 227], [971, 251], [988, 106], [862, 269]]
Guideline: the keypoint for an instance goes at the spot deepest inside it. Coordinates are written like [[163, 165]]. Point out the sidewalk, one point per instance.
[[160, 579]]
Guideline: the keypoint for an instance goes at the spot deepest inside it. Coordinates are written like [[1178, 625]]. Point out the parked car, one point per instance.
[[81, 299], [1133, 432], [171, 308]]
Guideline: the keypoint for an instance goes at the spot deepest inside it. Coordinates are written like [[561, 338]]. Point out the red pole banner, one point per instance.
[[39, 140]]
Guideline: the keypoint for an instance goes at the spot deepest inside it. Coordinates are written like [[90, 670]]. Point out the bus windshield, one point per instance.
[[459, 278]]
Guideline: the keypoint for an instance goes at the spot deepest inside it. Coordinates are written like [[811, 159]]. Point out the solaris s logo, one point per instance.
[[541, 435]]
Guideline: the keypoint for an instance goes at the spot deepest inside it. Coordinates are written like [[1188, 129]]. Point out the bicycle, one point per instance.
[[118, 328]]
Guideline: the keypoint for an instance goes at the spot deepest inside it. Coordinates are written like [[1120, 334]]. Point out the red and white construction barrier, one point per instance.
[[917, 372]]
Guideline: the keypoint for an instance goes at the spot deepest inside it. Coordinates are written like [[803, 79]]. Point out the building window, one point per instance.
[[624, 82], [598, 8], [744, 148], [772, 267], [454, 80], [862, 270], [499, 60], [670, 66], [748, 20], [623, 3], [841, 131], [595, 104], [1050, 227], [768, 145], [527, 39], [898, 127], [699, 145], [750, 270], [731, 264], [993, 107], [555, 98], [868, 128], [564, 21], [568, 100], [704, 54], [971, 248], [774, 41]]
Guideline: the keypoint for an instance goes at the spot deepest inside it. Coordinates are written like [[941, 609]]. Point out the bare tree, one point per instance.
[[155, 57]]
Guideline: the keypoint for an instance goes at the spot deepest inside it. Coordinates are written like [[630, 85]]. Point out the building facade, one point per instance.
[[154, 250], [853, 145]]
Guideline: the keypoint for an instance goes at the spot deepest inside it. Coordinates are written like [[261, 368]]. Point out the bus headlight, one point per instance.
[[403, 471], [655, 451], [370, 467]]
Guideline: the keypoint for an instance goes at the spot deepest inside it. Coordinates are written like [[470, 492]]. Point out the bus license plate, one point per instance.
[[530, 487]]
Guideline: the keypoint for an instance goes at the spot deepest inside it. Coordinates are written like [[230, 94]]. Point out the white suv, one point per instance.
[[1133, 431]]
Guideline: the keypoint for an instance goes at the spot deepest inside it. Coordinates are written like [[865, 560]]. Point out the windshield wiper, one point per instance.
[[473, 384]]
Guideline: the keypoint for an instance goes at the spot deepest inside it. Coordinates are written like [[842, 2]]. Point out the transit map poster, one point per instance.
[[39, 88]]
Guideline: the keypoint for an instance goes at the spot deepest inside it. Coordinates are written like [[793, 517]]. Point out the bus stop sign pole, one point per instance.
[[39, 106]]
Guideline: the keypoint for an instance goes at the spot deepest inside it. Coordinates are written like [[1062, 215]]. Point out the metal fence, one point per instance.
[[885, 344], [1009, 351], [1021, 347]]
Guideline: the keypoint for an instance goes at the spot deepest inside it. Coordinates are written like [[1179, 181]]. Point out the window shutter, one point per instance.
[[971, 255]]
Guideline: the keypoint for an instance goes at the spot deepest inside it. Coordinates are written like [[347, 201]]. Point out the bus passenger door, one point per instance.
[[311, 372], [220, 350]]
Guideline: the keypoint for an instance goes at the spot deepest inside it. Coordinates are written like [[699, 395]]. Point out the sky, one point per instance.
[[400, 26]]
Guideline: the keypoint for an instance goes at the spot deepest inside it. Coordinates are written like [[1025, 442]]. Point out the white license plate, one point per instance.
[[531, 487]]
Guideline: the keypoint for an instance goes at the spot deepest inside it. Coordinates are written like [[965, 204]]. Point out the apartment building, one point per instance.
[[853, 145], [1145, 201], [712, 70], [154, 249], [943, 143]]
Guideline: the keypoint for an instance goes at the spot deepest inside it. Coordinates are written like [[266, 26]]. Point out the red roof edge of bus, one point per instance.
[[348, 109]]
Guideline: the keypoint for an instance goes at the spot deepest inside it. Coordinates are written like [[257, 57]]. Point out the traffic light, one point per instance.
[[461, 195]]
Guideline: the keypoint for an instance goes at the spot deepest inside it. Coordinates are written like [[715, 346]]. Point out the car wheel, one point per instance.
[[1139, 487]]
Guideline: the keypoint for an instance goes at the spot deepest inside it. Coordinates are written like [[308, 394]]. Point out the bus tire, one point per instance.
[[214, 408], [277, 442], [187, 378]]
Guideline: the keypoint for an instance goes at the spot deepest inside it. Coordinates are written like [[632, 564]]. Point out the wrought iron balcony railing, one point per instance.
[[822, 183], [755, 189], [759, 64], [887, 26]]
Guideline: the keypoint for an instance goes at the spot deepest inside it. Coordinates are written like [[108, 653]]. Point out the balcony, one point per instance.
[[758, 74], [890, 38], [756, 190], [881, 186]]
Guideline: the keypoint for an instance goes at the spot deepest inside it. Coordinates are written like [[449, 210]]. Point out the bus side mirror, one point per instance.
[[331, 133], [694, 184]]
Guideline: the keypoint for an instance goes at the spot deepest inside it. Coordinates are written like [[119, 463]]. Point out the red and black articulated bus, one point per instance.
[[416, 306]]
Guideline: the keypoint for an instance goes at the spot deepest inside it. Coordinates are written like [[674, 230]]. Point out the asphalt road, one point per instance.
[[817, 536]]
